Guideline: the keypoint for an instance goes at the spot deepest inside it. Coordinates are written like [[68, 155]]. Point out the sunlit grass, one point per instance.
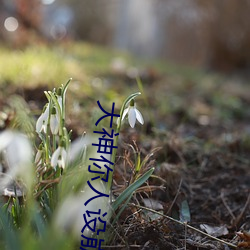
[[41, 64], [177, 99], [53, 184], [51, 64], [37, 65], [90, 66]]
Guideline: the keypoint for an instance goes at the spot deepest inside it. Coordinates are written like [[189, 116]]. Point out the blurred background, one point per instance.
[[211, 34], [193, 60]]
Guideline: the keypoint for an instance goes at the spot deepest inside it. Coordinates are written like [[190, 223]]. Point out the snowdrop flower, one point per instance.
[[42, 122], [78, 148], [39, 154], [54, 121], [59, 157], [69, 216], [17, 152], [133, 114], [59, 97], [81, 149]]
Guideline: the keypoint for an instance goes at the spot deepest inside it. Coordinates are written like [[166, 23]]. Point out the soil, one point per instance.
[[204, 165]]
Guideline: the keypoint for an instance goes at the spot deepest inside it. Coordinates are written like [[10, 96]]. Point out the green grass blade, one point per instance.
[[122, 209], [10, 236], [40, 224], [128, 191]]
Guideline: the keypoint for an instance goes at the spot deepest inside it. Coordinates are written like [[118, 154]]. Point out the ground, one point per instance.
[[196, 125], [203, 160]]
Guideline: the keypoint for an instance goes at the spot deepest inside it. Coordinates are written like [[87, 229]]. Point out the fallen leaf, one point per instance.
[[245, 236], [215, 231], [183, 208], [185, 212], [155, 205], [152, 204]]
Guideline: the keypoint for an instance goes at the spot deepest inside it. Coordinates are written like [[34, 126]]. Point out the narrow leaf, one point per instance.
[[184, 212], [128, 191]]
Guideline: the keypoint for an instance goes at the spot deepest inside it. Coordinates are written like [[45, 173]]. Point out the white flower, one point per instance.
[[17, 152], [59, 99], [42, 122], [39, 155], [133, 114], [77, 149], [69, 216], [81, 149], [54, 121], [59, 157]]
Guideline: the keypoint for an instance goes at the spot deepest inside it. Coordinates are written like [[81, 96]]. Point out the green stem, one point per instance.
[[47, 138], [52, 95], [54, 142], [65, 87], [118, 128]]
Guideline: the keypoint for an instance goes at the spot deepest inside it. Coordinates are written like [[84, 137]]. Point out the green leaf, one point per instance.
[[138, 163], [121, 209], [65, 87], [184, 212], [128, 191], [39, 222], [10, 236]]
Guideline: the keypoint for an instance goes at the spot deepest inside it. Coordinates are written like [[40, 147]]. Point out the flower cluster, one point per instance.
[[51, 115], [56, 152], [52, 151], [82, 203]]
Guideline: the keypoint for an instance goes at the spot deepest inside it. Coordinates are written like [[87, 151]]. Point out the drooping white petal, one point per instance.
[[125, 112], [18, 156], [5, 139], [118, 120], [19, 151], [132, 117], [59, 99], [133, 114], [44, 127], [54, 124], [69, 215], [55, 156], [38, 156], [62, 161], [59, 157], [39, 123], [139, 116], [46, 112], [78, 148]]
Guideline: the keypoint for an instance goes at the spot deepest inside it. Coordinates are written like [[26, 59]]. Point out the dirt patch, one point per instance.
[[202, 163]]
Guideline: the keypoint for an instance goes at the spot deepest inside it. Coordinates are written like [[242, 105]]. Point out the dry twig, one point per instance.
[[184, 224]]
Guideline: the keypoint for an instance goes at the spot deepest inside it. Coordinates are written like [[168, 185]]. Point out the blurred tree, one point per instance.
[[211, 33], [26, 16], [92, 20], [229, 34], [29, 14]]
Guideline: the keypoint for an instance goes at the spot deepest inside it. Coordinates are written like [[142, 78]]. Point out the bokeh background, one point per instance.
[[192, 59], [211, 34]]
